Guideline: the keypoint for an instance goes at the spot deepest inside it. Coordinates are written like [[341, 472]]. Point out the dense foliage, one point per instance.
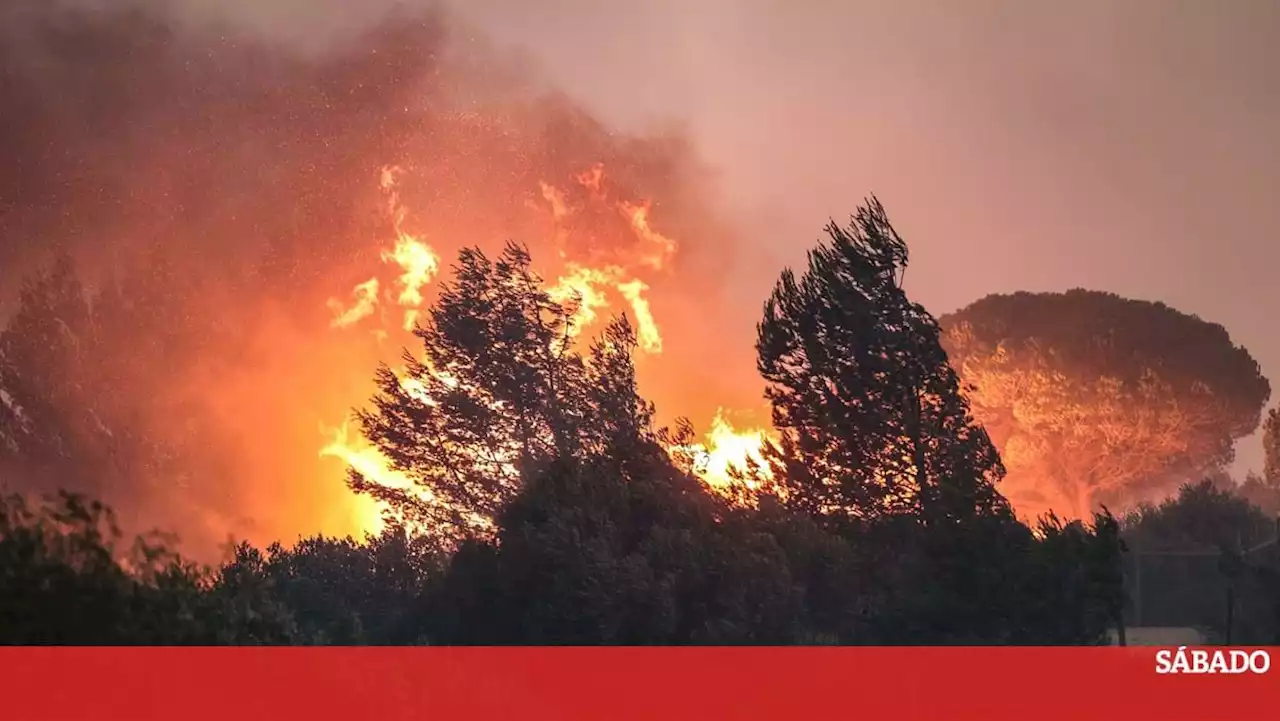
[[1096, 399], [1208, 559], [546, 508]]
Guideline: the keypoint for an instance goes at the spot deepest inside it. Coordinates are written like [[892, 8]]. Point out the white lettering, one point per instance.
[[1260, 661], [1239, 661], [1180, 663], [1199, 661], [1218, 664], [1185, 660]]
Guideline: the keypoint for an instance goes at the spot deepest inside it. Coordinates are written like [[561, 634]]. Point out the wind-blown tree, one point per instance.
[[870, 415], [571, 521], [878, 447], [499, 388], [1096, 399]]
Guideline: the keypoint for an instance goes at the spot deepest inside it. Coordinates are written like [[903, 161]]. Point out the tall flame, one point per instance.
[[418, 263], [584, 286], [646, 327], [361, 456]]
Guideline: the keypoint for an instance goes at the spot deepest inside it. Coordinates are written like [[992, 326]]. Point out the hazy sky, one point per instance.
[[1121, 145]]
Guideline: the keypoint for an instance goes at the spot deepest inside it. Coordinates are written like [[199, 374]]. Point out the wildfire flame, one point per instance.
[[664, 247], [366, 301], [646, 327], [417, 261], [584, 287], [729, 448], [361, 456]]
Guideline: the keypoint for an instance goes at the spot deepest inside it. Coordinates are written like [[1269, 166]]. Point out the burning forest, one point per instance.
[[270, 237], [398, 338]]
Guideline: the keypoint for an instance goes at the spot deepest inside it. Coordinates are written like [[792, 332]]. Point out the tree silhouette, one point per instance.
[[622, 549], [543, 506], [499, 388], [1198, 552], [870, 413]]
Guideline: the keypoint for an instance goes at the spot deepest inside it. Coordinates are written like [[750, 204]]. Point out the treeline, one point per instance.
[[548, 509], [1207, 558]]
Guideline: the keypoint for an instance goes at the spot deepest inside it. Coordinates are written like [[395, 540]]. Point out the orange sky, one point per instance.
[[1125, 146]]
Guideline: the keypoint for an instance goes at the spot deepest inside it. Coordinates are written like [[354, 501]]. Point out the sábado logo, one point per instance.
[[1198, 660]]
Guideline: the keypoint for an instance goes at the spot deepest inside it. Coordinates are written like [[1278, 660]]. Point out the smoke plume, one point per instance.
[[225, 189]]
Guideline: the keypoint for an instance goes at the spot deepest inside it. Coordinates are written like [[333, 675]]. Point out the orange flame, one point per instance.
[[585, 283], [728, 448], [588, 286], [364, 458], [366, 300], [592, 178], [646, 327], [663, 247]]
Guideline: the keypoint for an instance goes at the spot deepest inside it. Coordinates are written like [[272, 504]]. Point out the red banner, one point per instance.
[[617, 684]]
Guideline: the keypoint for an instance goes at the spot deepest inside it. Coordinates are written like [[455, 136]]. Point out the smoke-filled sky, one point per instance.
[[1122, 146]]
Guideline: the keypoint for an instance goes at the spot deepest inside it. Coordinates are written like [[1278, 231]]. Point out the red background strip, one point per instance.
[[619, 684]]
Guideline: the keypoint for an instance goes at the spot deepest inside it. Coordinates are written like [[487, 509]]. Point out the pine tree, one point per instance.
[[871, 416], [498, 390]]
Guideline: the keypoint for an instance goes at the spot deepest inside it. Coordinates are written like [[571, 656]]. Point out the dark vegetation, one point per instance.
[[548, 509]]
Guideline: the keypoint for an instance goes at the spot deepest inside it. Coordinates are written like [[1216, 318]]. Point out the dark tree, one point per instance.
[[499, 388], [1201, 517], [67, 578], [1199, 553], [870, 413], [329, 591], [623, 549]]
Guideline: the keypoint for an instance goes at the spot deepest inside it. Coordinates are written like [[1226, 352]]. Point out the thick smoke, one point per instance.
[[214, 189]]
